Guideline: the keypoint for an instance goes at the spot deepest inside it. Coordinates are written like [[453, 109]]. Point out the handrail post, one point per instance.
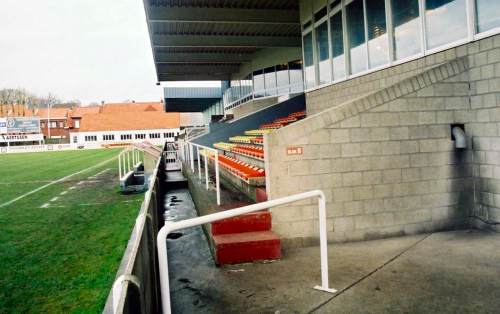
[[128, 160], [192, 222], [323, 245], [217, 183], [191, 153], [120, 165], [206, 169], [199, 163]]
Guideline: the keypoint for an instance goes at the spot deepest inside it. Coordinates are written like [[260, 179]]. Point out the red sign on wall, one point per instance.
[[294, 150]]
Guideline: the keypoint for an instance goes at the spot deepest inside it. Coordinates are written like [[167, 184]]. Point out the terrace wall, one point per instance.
[[381, 150], [138, 291]]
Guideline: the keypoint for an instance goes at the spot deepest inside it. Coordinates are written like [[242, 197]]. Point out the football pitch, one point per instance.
[[63, 229]]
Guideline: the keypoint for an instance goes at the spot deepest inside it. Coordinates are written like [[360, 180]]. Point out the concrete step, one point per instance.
[[257, 221], [246, 247]]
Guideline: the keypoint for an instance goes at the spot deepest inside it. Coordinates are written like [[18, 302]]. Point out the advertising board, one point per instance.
[[3, 125], [23, 125]]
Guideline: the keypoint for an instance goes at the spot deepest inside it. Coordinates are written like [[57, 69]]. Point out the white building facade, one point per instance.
[[154, 136]]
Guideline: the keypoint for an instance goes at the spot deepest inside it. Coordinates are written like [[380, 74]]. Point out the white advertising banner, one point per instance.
[[3, 125], [9, 138]]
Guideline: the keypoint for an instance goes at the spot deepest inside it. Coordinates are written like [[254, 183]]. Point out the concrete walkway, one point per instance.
[[448, 272]]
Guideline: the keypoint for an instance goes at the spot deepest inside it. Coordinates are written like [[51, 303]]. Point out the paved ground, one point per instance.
[[449, 272]]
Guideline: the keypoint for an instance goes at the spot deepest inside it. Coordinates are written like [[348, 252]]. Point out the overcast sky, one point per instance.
[[90, 50]]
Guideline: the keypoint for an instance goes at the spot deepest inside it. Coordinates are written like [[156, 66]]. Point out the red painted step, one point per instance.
[[257, 221], [260, 194], [244, 247]]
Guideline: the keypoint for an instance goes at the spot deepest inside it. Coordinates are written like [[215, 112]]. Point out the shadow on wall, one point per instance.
[[462, 183]]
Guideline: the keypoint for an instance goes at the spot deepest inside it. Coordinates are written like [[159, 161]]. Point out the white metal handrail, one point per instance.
[[276, 91], [188, 223], [129, 158], [188, 156]]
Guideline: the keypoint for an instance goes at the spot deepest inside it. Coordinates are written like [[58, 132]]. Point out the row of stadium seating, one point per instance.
[[241, 169], [249, 150], [281, 122], [250, 145], [243, 149]]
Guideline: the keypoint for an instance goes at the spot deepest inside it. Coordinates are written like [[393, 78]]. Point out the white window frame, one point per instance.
[[315, 24], [305, 32], [331, 12], [472, 35]]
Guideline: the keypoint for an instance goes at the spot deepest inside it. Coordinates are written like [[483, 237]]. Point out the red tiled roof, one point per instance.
[[55, 113], [118, 108], [79, 111], [147, 120]]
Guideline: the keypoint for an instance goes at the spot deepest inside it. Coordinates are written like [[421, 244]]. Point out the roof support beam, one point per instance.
[[225, 41], [194, 77], [175, 68], [176, 57], [223, 15]]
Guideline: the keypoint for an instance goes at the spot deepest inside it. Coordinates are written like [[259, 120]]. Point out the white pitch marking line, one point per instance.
[[45, 205], [54, 199], [72, 188], [57, 181], [63, 192], [55, 206]]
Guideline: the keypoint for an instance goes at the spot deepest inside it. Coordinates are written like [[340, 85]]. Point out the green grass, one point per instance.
[[61, 258]]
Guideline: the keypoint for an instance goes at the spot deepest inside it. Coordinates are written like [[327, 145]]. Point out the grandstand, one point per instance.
[[394, 120]]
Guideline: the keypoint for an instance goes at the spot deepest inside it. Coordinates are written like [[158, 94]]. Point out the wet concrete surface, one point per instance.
[[449, 272]]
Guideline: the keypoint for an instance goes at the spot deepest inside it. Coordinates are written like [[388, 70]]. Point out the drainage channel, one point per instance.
[[188, 254]]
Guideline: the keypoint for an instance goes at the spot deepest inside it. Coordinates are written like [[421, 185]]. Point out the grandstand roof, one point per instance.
[[147, 120], [210, 39], [55, 113]]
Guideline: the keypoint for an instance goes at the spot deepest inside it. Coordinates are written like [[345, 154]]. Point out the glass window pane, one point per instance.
[[323, 53], [378, 46], [282, 79], [258, 83], [406, 28], [235, 90], [337, 46], [246, 85], [446, 22], [356, 34], [320, 14], [270, 81], [488, 14], [308, 61], [296, 80]]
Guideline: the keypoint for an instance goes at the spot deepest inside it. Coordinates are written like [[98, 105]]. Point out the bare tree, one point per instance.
[[7, 96]]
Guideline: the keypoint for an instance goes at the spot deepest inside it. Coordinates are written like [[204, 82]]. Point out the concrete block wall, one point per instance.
[[385, 160], [484, 128], [334, 95]]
